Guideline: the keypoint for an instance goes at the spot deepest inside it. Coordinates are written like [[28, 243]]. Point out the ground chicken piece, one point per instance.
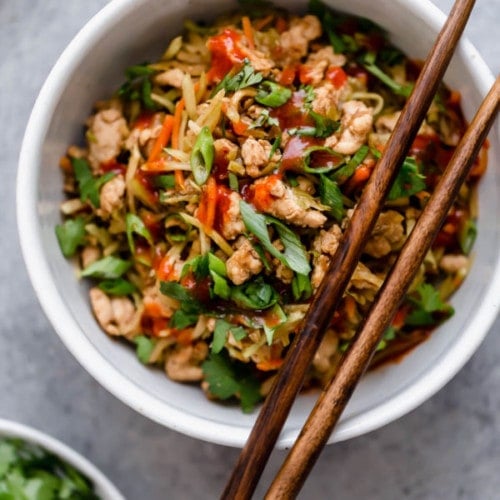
[[283, 273], [117, 315], [328, 98], [172, 77], [144, 137], [385, 124], [226, 149], [259, 61], [327, 242], [107, 128], [285, 205], [313, 72], [452, 264], [232, 223], [327, 54], [294, 42], [325, 245], [183, 363], [89, 255], [244, 263], [387, 235], [112, 195], [321, 263], [306, 185], [356, 123], [365, 282], [255, 154], [326, 350]]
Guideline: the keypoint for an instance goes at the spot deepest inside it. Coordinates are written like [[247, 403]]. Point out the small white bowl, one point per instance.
[[102, 486], [131, 31]]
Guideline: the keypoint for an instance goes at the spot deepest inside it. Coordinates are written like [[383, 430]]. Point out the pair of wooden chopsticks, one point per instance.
[[330, 405]]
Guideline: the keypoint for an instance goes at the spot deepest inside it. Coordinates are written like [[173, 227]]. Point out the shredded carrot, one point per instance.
[[179, 108], [211, 202], [240, 127], [359, 178], [162, 139], [260, 23], [400, 316], [271, 364], [248, 31], [154, 165]]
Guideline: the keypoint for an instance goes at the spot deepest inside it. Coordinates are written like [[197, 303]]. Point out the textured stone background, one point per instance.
[[448, 448]]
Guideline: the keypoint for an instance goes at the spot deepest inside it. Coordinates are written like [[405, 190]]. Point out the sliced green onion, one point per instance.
[[109, 267], [202, 156], [272, 94]]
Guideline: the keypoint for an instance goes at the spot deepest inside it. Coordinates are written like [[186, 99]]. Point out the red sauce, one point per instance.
[[336, 75], [153, 223], [449, 232], [222, 207], [221, 162], [292, 113], [259, 194], [113, 166], [144, 120], [293, 154], [226, 53], [199, 288]]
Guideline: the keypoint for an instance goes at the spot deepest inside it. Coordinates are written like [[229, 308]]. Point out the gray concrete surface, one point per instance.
[[448, 448]]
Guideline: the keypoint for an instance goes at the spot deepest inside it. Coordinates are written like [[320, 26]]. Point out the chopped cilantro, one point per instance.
[[71, 235], [190, 308], [264, 119], [228, 379], [256, 294], [222, 330], [246, 77], [408, 181], [89, 185], [144, 348], [426, 302], [28, 472], [294, 256], [134, 224], [118, 286], [138, 85], [109, 267]]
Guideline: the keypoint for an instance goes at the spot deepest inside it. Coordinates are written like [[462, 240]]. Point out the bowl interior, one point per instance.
[[130, 31]]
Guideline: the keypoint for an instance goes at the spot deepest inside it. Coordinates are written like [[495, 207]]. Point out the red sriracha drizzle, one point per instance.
[[226, 53]]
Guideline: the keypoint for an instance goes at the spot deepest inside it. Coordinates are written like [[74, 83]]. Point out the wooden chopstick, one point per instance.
[[334, 398], [269, 422]]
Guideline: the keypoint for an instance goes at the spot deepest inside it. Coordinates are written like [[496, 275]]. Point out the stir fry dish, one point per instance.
[[215, 185]]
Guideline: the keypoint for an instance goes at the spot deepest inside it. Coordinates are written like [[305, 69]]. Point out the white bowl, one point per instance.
[[131, 31], [102, 485]]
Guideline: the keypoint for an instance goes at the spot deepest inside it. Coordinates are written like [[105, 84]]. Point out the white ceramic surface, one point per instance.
[[128, 31], [102, 486]]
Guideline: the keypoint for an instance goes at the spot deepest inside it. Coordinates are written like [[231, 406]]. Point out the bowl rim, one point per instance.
[[121, 386], [10, 428]]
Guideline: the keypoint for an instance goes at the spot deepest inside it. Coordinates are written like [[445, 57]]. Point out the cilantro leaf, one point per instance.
[[245, 77], [323, 126], [138, 85], [71, 235], [89, 185], [272, 94], [118, 287], [228, 379], [134, 224], [222, 330], [294, 256], [264, 119], [426, 302], [190, 308], [257, 295], [369, 63], [408, 181], [144, 348], [109, 267]]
